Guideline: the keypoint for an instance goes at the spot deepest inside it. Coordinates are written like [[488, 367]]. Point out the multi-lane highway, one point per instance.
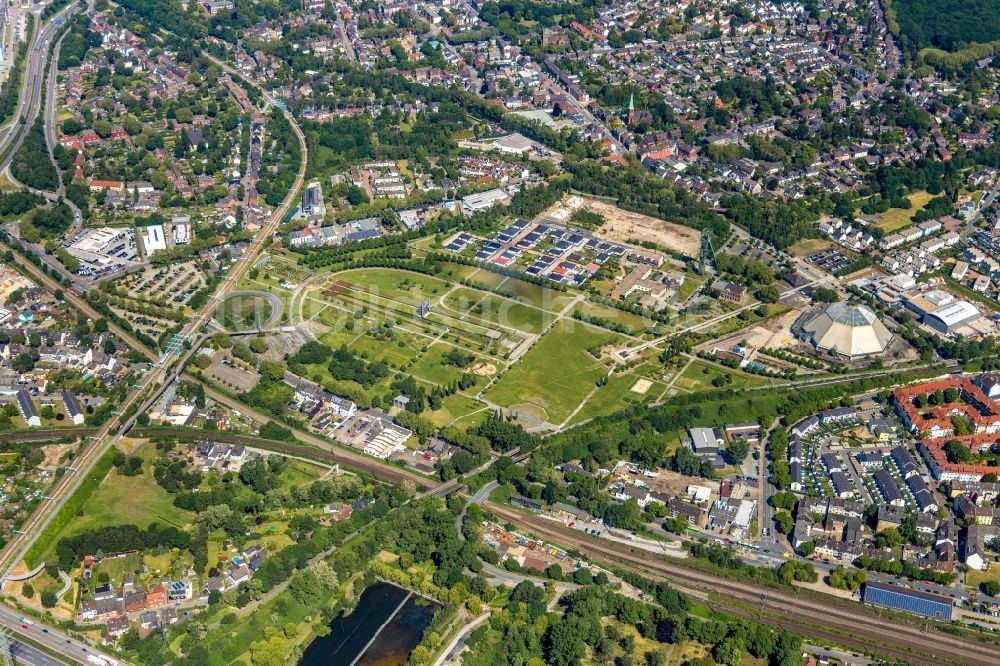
[[31, 99], [51, 103], [25, 654], [38, 76], [52, 639]]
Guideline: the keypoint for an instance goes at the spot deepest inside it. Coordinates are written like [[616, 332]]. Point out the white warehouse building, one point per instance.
[[951, 317]]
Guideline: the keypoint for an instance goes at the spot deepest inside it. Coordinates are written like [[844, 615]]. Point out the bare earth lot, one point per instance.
[[623, 225]]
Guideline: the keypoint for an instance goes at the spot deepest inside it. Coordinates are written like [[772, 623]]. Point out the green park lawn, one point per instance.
[[243, 311], [298, 473], [461, 299], [699, 376], [401, 286], [397, 351], [137, 500], [636, 323], [556, 374], [459, 271], [510, 314], [430, 365], [617, 394], [312, 307], [974, 577], [459, 411], [535, 295]]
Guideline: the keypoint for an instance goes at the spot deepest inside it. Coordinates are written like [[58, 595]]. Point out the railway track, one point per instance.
[[384, 471], [806, 617], [856, 627], [834, 638], [46, 435]]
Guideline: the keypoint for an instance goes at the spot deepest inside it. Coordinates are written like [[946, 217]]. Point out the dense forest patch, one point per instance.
[[944, 24]]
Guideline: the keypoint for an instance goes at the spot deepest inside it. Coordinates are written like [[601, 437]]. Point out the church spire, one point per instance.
[[631, 102]]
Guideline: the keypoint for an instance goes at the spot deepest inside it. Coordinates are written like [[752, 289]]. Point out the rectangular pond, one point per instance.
[[382, 630]]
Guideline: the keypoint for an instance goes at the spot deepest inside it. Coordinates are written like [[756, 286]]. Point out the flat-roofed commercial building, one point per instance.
[[930, 605], [952, 317]]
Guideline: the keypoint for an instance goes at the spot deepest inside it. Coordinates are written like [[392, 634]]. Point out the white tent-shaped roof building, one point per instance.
[[849, 330]]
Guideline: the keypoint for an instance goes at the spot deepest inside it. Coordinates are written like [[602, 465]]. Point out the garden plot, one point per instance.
[[284, 271]]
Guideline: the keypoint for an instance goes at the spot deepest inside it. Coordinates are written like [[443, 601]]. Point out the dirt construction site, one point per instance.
[[624, 226], [627, 227], [775, 333]]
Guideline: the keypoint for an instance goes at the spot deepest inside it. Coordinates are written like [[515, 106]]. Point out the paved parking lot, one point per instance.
[[225, 370]]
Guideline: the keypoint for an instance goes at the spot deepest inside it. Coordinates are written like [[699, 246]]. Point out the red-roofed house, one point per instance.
[[934, 421], [156, 596], [584, 31], [616, 159], [113, 185], [934, 424]]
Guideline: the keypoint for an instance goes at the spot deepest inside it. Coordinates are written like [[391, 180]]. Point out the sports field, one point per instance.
[[622, 390]]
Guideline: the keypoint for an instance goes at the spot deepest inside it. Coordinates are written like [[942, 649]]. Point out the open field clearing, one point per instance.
[[621, 391], [808, 246], [398, 285], [556, 374], [895, 219], [635, 323]]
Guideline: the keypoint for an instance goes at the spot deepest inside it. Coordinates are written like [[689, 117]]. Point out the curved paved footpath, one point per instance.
[[28, 575], [67, 584]]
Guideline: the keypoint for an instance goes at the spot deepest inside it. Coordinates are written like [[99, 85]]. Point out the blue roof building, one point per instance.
[[356, 236], [28, 410], [72, 406], [934, 606]]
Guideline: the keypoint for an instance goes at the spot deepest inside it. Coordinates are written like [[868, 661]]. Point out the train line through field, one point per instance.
[[856, 627], [329, 456]]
